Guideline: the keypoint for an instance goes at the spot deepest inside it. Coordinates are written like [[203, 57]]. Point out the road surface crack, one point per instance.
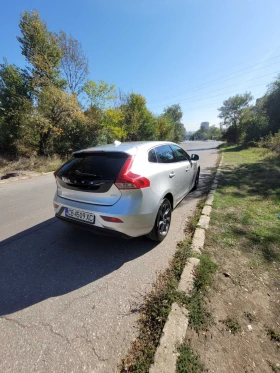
[[89, 341], [15, 321], [56, 333], [68, 305]]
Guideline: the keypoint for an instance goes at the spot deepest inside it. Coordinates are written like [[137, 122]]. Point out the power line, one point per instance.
[[239, 63], [222, 94], [220, 89], [206, 84], [211, 105]]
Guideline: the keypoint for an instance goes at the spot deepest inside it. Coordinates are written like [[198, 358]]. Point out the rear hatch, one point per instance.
[[89, 177]]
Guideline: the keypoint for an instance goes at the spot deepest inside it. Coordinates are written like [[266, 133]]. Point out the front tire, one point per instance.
[[196, 180], [162, 223]]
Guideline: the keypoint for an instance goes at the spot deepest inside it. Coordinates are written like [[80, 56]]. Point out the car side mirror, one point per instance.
[[194, 157]]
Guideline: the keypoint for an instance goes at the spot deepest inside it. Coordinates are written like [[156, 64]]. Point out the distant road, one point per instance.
[[67, 295]]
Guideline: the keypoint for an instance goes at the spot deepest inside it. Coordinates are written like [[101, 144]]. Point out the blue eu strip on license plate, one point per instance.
[[87, 217]]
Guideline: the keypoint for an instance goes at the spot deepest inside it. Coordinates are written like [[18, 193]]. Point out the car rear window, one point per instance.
[[99, 165]]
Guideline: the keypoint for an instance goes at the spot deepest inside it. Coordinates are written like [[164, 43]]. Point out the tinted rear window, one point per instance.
[[104, 166]]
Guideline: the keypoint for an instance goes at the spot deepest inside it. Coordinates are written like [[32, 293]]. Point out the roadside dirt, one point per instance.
[[250, 298], [20, 175]]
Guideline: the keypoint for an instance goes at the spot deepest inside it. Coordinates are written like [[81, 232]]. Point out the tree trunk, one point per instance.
[[44, 137]]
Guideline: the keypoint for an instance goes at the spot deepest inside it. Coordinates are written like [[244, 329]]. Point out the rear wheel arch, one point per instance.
[[162, 222], [169, 196]]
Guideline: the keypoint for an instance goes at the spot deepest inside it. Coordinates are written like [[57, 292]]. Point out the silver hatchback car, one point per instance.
[[126, 189]]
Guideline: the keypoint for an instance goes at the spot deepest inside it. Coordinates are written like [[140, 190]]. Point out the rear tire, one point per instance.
[[196, 180], [162, 223]]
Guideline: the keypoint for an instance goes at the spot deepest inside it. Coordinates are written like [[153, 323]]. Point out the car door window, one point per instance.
[[152, 156], [165, 154], [180, 154]]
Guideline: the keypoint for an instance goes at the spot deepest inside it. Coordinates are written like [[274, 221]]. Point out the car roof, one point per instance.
[[127, 147]]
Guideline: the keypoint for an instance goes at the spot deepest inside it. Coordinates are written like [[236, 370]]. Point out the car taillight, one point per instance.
[[128, 180], [59, 168], [55, 172]]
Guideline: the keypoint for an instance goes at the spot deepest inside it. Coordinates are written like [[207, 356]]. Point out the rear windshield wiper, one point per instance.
[[86, 174]]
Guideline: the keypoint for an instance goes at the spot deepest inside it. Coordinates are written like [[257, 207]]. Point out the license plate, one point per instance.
[[80, 215]]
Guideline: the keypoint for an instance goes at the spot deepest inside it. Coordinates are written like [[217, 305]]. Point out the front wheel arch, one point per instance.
[[196, 180]]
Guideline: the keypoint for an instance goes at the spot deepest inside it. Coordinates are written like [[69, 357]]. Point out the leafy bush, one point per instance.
[[272, 142]]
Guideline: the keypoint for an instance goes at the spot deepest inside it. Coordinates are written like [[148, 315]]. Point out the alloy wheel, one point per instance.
[[164, 218]]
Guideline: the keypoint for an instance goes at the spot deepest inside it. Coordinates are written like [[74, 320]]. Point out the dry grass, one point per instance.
[[35, 164]]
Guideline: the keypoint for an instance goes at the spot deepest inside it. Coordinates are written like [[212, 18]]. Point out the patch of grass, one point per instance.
[[188, 361], [232, 325], [199, 317], [274, 336], [204, 274], [275, 368], [247, 204], [251, 317]]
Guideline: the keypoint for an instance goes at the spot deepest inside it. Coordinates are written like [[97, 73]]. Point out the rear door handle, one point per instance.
[[172, 174], [187, 169]]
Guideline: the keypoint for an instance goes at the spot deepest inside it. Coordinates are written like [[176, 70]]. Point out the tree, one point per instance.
[[74, 62], [99, 94], [175, 114], [98, 133], [40, 48], [165, 128], [55, 111], [271, 105], [113, 122], [231, 113], [139, 121], [253, 124], [207, 133], [15, 102], [214, 133]]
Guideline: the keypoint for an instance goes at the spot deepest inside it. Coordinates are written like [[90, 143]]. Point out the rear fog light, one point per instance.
[[111, 219]]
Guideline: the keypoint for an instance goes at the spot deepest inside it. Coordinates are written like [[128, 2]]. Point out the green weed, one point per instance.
[[232, 325], [188, 361]]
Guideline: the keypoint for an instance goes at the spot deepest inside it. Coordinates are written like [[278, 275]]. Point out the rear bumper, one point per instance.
[[136, 222], [93, 228]]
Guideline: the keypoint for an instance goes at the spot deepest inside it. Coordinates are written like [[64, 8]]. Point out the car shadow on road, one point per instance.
[[51, 259]]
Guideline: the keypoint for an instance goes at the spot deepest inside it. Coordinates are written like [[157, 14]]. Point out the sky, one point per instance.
[[195, 53]]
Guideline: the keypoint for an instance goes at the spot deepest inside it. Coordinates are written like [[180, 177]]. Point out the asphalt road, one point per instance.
[[67, 297]]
